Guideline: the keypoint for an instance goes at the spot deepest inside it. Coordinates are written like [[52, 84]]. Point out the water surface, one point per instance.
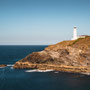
[[19, 79]]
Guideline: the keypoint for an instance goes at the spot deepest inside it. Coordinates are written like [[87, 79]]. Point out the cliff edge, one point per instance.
[[68, 56]]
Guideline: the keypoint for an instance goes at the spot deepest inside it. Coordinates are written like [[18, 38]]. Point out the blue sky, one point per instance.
[[42, 22]]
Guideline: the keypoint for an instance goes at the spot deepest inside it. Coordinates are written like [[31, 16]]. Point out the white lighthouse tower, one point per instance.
[[75, 34]]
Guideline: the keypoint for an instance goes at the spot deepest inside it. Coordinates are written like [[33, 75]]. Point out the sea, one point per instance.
[[27, 79]]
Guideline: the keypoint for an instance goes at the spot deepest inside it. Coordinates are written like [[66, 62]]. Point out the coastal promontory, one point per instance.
[[65, 56]]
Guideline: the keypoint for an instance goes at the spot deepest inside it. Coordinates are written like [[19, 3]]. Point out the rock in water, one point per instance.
[[69, 56], [3, 65]]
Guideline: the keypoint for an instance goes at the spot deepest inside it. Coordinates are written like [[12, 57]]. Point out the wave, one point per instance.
[[2, 67], [56, 72], [10, 65], [85, 73], [36, 70]]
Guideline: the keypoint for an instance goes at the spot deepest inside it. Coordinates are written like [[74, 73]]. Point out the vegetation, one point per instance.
[[75, 41], [82, 43]]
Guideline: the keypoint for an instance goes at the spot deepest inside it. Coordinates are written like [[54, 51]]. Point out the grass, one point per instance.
[[75, 42]]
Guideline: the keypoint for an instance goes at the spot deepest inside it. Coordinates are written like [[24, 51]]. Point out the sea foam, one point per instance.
[[2, 67], [10, 65], [36, 70], [56, 72]]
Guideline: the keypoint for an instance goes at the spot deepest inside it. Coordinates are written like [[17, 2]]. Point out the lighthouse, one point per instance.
[[75, 34]]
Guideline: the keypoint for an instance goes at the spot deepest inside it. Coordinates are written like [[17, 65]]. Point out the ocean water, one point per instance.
[[26, 79]]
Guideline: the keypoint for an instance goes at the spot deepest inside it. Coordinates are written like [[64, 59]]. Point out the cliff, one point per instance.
[[69, 56]]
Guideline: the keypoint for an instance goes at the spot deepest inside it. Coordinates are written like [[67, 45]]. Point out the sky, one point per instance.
[[42, 22]]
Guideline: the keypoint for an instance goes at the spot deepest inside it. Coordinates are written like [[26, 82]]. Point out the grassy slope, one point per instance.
[[82, 43]]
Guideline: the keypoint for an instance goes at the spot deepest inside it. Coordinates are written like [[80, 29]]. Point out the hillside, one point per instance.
[[70, 56], [81, 43]]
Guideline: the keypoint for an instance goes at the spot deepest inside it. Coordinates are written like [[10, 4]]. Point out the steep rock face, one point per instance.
[[74, 53]]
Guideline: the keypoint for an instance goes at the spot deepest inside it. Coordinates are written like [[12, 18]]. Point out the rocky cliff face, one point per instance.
[[71, 54]]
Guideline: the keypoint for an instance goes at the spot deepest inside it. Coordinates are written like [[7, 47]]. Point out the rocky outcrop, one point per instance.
[[65, 56], [3, 65]]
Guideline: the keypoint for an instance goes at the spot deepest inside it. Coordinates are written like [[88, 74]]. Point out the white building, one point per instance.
[[82, 36], [75, 36]]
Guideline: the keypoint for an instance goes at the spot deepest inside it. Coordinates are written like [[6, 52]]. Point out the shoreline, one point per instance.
[[66, 56], [62, 68]]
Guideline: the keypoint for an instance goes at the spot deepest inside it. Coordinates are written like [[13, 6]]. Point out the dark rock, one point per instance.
[[3, 65]]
